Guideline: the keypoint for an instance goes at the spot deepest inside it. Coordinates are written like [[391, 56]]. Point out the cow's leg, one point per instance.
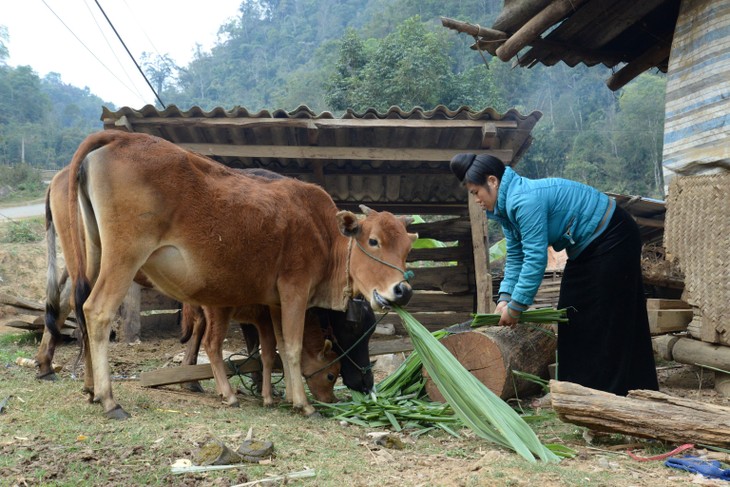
[[251, 336], [268, 358], [275, 312], [193, 316], [100, 309], [47, 348], [217, 320], [292, 324]]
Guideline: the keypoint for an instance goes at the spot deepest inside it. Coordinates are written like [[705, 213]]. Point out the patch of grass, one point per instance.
[[20, 182], [23, 231]]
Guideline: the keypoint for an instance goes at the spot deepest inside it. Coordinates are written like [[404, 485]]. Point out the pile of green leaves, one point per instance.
[[398, 402]]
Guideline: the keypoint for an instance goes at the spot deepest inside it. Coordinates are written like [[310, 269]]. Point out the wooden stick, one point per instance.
[[535, 26]]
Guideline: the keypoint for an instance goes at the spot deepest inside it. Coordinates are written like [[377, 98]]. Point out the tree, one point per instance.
[[160, 70]]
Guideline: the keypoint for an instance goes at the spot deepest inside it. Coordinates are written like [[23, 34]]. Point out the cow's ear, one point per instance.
[[348, 224], [325, 349], [407, 220]]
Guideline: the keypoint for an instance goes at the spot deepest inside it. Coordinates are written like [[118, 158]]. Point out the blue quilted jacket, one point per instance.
[[535, 213]]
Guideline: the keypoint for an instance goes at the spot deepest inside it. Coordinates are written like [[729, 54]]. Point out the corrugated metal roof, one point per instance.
[[396, 160]]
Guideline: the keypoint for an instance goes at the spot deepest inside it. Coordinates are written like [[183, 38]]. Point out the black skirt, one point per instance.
[[606, 344]]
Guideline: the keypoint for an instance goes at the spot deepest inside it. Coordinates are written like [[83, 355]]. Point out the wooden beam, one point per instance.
[[394, 345], [473, 29], [308, 123], [188, 373], [696, 352], [482, 275], [662, 321], [655, 55], [649, 222], [352, 153], [538, 24], [489, 136], [646, 414]]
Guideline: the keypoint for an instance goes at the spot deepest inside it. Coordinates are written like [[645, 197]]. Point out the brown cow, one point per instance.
[[204, 234], [320, 365]]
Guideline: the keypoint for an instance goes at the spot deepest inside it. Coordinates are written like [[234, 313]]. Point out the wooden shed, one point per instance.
[[396, 161], [690, 41]]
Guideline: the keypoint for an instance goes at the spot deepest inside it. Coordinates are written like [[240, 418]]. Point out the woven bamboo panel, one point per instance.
[[697, 236]]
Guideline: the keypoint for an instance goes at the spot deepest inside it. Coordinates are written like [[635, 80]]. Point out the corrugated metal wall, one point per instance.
[[697, 127]]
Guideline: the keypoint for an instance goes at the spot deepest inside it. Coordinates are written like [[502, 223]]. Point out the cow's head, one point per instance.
[[377, 256], [321, 372]]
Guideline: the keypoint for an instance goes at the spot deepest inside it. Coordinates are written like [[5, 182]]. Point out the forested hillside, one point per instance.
[[357, 54]]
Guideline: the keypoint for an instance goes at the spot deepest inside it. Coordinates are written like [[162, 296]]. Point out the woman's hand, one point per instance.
[[510, 317]]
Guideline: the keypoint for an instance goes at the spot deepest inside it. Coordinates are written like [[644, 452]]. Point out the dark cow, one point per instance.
[[204, 234]]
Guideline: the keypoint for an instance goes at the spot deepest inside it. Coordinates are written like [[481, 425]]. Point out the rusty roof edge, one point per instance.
[[302, 111]]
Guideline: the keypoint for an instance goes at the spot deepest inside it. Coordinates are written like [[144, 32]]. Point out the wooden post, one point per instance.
[[482, 274], [129, 312]]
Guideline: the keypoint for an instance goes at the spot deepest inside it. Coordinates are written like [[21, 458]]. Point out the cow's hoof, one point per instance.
[[192, 387], [90, 394], [117, 413], [307, 411], [231, 402], [47, 376]]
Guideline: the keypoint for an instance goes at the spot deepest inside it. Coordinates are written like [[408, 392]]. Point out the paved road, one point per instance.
[[24, 211]]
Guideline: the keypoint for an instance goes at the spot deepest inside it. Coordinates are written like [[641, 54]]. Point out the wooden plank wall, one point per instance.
[[444, 284]]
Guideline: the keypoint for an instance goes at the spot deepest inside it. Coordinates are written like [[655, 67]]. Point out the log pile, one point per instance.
[[644, 414], [25, 314]]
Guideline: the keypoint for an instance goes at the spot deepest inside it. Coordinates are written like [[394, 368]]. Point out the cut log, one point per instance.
[[19, 302], [492, 353], [695, 352], [646, 414], [663, 345]]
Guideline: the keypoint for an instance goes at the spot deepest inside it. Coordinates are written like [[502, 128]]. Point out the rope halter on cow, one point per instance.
[[407, 275], [344, 354]]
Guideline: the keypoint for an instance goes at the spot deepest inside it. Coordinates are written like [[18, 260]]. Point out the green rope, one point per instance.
[[407, 275]]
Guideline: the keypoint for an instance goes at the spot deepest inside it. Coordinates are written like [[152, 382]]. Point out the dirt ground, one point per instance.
[[22, 273]]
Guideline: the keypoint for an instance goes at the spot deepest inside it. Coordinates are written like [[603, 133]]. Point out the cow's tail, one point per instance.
[[53, 290], [189, 316], [79, 202]]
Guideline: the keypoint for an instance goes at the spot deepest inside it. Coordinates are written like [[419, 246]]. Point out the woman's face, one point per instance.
[[485, 194]]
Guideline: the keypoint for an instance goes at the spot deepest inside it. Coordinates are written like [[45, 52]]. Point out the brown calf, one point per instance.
[[320, 366], [204, 234]]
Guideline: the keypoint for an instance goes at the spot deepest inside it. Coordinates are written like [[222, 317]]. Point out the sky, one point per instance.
[[72, 38]]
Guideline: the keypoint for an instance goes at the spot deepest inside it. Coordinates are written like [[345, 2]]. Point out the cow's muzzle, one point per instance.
[[403, 293]]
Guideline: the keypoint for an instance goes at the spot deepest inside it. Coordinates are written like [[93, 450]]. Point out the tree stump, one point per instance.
[[492, 353]]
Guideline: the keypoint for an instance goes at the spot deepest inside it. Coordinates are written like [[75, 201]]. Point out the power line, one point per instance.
[[111, 49], [86, 47], [130, 54]]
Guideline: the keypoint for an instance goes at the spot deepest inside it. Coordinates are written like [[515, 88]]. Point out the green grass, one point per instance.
[[25, 230]]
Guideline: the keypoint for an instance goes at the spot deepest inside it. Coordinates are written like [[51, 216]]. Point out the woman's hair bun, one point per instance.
[[460, 164]]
